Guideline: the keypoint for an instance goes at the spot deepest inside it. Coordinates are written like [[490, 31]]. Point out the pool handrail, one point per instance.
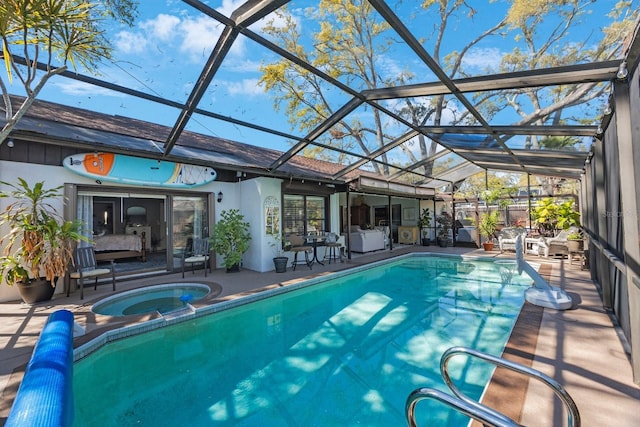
[[45, 396], [475, 411], [573, 415]]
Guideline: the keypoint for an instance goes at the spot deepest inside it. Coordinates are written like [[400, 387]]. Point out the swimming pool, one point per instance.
[[161, 298], [347, 351]]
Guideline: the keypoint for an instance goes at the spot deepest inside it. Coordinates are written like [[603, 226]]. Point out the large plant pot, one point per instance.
[[443, 242], [234, 268], [36, 291], [575, 245], [488, 246], [280, 264], [426, 241]]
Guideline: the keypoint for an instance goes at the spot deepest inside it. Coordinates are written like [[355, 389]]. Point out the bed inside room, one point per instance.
[[128, 230]]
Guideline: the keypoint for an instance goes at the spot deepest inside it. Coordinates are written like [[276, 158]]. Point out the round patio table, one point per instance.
[[315, 239]]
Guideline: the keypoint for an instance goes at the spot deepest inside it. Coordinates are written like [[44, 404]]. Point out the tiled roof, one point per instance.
[[139, 137]]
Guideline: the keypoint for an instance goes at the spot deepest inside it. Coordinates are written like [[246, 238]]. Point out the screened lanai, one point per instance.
[[387, 90], [414, 118]]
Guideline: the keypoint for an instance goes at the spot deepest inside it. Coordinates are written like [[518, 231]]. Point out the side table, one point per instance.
[[532, 245]]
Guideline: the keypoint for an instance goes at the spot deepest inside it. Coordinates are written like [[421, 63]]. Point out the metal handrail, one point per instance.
[[475, 411], [573, 416]]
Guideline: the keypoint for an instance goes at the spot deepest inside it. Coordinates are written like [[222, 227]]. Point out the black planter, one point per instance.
[[280, 264], [36, 291], [443, 243], [234, 268], [426, 241]]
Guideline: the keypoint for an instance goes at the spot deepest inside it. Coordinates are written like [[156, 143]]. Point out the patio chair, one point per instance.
[[199, 254], [333, 248], [557, 245], [507, 238], [299, 244], [87, 267]]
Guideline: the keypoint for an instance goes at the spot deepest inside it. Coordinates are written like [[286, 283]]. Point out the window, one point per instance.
[[304, 214]]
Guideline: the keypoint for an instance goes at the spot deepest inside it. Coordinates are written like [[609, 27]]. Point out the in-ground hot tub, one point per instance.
[[161, 298]]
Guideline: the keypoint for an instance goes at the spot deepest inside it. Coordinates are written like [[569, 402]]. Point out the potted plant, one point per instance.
[[567, 216], [38, 247], [279, 260], [545, 214], [552, 216], [425, 222], [231, 238], [575, 241], [445, 221], [487, 226]]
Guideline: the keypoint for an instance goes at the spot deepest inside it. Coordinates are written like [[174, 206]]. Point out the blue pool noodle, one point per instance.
[[45, 396]]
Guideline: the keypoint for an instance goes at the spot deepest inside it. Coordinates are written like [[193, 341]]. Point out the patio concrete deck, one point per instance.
[[580, 348]]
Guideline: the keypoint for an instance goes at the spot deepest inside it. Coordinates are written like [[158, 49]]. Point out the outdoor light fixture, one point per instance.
[[10, 143], [622, 71], [608, 110], [220, 196]]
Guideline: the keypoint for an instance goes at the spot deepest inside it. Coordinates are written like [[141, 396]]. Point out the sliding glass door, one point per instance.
[[189, 220], [169, 222]]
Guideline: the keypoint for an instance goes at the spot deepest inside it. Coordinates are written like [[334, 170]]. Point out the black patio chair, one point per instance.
[[87, 267], [199, 254]]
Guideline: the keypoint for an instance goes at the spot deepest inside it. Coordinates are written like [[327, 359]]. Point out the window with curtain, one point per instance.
[[304, 214]]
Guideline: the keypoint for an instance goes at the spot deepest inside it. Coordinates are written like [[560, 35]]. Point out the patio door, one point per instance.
[[189, 220]]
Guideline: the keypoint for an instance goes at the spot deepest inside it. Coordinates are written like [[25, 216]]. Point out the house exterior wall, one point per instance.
[[247, 196], [259, 257]]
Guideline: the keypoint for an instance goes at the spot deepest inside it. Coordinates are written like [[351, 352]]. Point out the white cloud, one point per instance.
[[228, 6], [249, 87], [163, 27], [129, 42], [242, 66], [199, 36], [486, 58], [76, 88]]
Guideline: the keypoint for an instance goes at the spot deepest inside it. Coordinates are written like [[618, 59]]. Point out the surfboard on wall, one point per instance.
[[123, 169]]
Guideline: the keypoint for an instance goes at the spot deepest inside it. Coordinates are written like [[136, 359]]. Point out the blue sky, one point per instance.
[[164, 52]]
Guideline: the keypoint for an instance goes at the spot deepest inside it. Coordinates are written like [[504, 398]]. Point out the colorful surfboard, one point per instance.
[[132, 170]]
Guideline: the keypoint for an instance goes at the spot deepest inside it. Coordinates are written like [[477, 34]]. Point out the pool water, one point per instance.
[[161, 298], [345, 352]]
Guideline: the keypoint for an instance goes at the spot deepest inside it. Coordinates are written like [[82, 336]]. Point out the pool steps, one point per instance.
[[476, 410]]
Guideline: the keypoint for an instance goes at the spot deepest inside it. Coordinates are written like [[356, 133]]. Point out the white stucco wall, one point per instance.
[[248, 196], [254, 192]]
